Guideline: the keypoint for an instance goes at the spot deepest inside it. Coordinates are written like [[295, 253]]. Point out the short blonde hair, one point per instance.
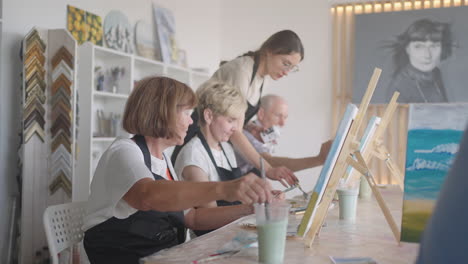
[[220, 98], [151, 108]]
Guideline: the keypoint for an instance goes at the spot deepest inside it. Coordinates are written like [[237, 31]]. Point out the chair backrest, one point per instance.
[[62, 225]]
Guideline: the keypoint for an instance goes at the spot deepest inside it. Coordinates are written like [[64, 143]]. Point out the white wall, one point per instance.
[[246, 24], [198, 32]]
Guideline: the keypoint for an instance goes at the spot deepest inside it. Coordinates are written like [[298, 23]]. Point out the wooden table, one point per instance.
[[368, 236]]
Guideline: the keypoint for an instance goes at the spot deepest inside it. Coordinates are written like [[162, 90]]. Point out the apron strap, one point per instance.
[[252, 110], [207, 148], [141, 142]]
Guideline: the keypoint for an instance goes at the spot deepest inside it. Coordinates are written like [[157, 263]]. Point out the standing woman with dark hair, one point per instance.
[[278, 55], [417, 54]]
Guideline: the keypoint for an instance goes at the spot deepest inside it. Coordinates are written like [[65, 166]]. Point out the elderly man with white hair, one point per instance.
[[263, 133]]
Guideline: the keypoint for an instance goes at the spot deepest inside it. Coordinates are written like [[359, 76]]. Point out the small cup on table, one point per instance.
[[348, 202], [272, 225]]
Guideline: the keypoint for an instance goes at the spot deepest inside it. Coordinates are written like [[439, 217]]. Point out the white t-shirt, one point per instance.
[[238, 73], [194, 154], [119, 168]]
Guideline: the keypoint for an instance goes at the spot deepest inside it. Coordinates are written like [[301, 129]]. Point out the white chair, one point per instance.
[[62, 225]]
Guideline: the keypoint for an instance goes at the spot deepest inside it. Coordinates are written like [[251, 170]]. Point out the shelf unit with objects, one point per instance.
[[105, 79]]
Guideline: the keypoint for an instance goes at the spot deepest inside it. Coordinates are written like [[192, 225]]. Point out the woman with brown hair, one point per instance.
[[136, 203]]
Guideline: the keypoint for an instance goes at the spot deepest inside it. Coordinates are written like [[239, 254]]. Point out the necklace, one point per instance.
[[219, 157]]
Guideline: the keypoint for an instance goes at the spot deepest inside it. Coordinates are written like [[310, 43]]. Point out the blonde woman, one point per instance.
[[208, 156]]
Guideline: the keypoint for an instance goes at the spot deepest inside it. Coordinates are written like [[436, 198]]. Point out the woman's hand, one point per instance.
[[324, 149], [254, 129], [247, 189], [278, 195], [282, 174]]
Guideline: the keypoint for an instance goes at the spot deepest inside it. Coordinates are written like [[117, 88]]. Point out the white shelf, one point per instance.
[[110, 95], [144, 67], [148, 61], [178, 68], [108, 52]]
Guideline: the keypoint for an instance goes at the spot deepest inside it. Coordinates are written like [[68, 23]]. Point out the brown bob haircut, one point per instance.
[[152, 106]]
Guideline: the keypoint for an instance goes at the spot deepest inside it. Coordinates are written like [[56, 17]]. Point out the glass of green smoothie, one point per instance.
[[272, 224]]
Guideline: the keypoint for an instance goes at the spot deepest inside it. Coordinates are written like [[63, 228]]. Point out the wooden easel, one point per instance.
[[376, 148], [350, 145], [351, 149], [361, 166]]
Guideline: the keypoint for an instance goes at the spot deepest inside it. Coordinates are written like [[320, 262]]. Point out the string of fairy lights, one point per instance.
[[391, 6]]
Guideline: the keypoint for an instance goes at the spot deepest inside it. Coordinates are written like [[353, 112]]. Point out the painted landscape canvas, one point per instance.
[[434, 134]]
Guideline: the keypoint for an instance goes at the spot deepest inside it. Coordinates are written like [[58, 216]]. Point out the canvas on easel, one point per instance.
[[327, 169], [339, 167], [376, 147], [434, 133], [365, 141], [351, 155]]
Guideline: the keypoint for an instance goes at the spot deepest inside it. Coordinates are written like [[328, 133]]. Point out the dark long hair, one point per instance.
[[421, 30], [284, 42]]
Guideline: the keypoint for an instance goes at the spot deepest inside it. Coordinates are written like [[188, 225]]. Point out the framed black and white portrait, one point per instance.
[[423, 55]]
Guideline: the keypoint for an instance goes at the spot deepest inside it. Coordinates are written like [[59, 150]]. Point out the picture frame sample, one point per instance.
[[328, 166]]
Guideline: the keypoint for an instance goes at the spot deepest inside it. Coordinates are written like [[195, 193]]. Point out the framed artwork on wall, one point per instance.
[[118, 32], [84, 26], [422, 54], [165, 31]]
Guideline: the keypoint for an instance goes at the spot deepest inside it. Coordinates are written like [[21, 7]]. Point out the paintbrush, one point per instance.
[[263, 175], [292, 187], [216, 256], [306, 196]]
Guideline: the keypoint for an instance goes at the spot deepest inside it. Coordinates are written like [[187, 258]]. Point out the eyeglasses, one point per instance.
[[287, 66]]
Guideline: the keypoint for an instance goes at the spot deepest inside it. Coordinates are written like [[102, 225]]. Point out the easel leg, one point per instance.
[[383, 154], [379, 198], [395, 172]]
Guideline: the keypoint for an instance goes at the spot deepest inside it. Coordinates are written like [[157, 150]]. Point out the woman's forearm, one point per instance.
[[212, 218], [243, 146], [294, 164], [178, 196], [148, 194]]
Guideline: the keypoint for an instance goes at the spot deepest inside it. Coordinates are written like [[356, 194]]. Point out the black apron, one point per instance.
[[224, 175], [141, 234], [249, 114]]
